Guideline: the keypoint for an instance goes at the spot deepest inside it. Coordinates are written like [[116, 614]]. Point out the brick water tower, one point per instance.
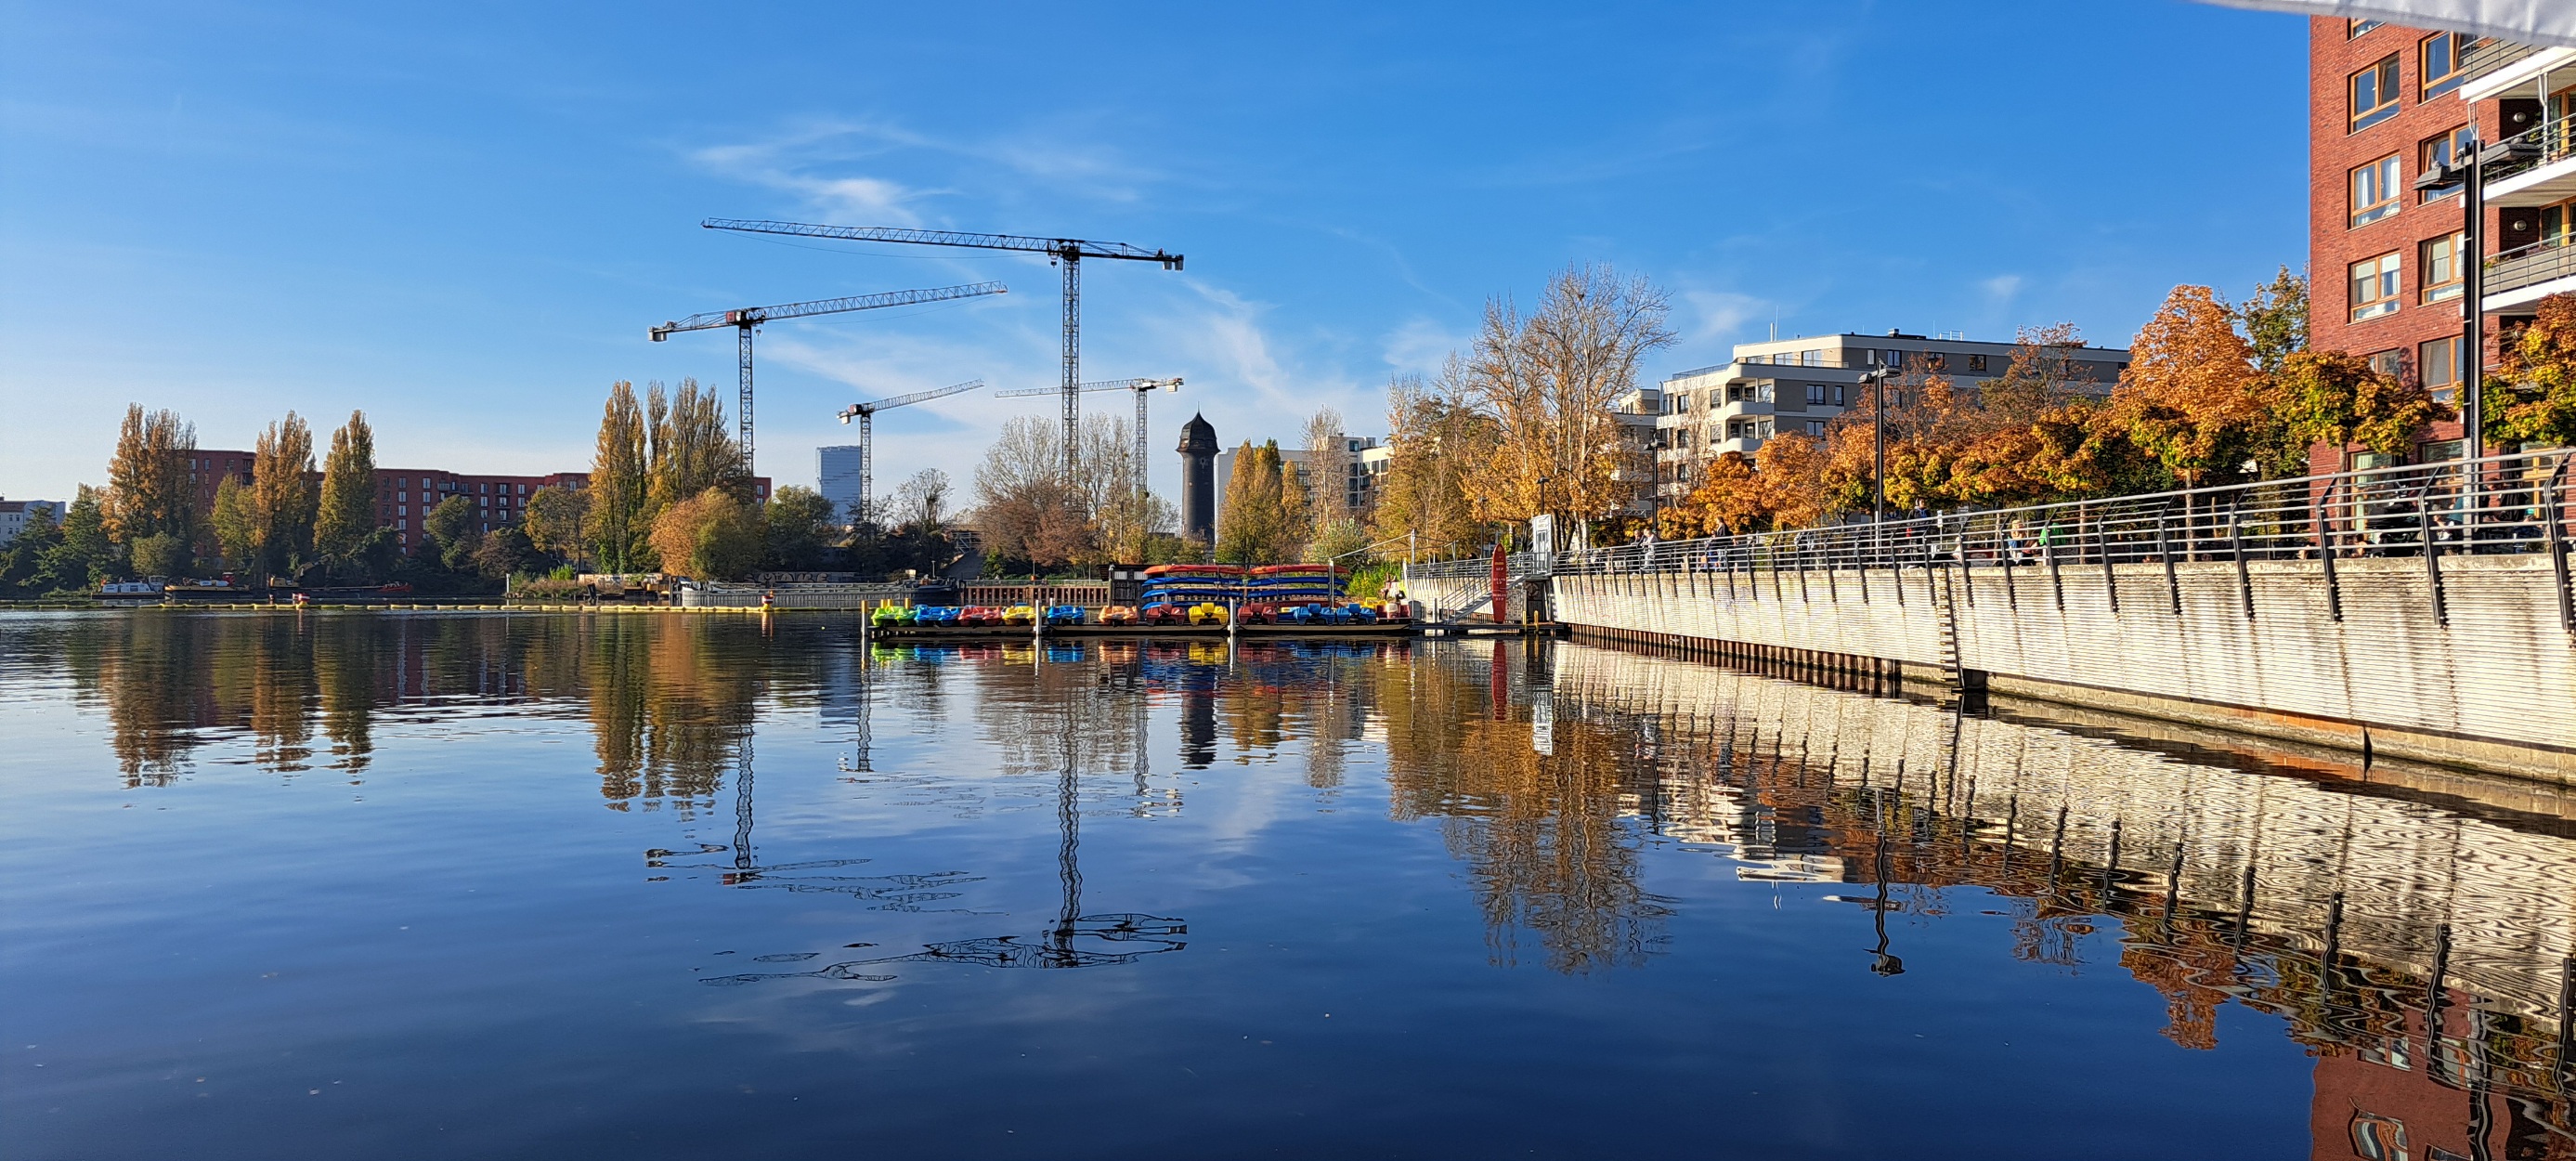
[[1198, 480]]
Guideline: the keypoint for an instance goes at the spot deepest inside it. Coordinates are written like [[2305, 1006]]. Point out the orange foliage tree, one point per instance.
[[2192, 398]]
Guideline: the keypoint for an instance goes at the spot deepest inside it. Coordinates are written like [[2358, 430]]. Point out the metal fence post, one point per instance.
[[2236, 545], [2432, 552], [2323, 507]]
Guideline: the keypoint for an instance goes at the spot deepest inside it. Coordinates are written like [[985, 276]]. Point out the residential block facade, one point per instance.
[[2387, 260], [1800, 385]]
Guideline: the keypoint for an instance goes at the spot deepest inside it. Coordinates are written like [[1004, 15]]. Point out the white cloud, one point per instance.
[[1719, 313], [2002, 287], [1420, 346]]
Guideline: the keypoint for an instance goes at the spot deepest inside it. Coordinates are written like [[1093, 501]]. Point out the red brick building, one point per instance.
[[2386, 104], [405, 495]]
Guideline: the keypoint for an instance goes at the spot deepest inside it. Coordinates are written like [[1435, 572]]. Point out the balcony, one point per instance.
[[2546, 176], [2532, 273]]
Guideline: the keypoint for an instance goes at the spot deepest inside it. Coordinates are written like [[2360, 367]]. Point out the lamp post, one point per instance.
[[1877, 379], [2467, 168]]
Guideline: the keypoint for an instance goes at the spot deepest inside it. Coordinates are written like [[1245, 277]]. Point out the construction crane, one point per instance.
[[866, 414], [745, 319], [1067, 252], [1142, 388]]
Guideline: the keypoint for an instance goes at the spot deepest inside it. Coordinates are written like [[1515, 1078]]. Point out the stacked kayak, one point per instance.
[[1173, 592], [1290, 584]]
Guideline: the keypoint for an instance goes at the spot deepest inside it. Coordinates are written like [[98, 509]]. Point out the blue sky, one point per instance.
[[462, 219]]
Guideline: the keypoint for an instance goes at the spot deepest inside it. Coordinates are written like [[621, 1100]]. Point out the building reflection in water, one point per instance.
[[2411, 927]]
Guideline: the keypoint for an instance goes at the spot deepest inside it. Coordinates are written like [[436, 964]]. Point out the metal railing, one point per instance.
[[2501, 504], [2554, 140], [2530, 265]]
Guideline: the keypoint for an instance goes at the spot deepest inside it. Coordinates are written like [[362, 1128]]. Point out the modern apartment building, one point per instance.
[[405, 495], [2387, 104], [1368, 460], [837, 471], [1800, 385]]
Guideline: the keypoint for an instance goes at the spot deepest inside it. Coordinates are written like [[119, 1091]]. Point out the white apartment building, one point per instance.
[[14, 515], [1801, 384], [1369, 459]]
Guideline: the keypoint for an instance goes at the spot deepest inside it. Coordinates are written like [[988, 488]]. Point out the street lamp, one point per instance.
[[1877, 379], [2468, 167]]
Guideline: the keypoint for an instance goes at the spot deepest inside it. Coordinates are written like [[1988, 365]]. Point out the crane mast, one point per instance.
[[866, 414], [1067, 253], [743, 320]]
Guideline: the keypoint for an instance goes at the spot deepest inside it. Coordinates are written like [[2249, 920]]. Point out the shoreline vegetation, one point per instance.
[[1524, 422]]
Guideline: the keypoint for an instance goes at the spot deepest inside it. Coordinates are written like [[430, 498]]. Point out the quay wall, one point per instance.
[[2478, 672]]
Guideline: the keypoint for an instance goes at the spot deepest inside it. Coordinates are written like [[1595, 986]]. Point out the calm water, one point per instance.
[[520, 886]]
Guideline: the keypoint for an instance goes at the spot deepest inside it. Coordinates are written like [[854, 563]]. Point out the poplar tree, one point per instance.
[[693, 448], [283, 496], [620, 485], [347, 521], [149, 492]]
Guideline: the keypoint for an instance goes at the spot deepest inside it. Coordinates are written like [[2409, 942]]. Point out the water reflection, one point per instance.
[[2410, 928]]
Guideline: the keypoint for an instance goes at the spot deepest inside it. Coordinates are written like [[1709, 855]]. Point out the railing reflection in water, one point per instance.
[[2415, 922]]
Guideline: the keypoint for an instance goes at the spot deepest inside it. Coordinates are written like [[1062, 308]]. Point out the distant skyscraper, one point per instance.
[[1198, 480], [837, 470]]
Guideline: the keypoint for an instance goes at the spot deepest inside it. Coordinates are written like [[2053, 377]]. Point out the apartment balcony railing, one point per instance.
[[2555, 139], [2493, 55], [2530, 266]]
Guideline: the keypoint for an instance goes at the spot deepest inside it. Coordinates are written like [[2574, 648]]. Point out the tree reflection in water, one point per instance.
[[2411, 928]]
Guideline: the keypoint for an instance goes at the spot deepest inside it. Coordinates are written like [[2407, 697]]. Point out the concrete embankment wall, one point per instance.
[[2484, 675]]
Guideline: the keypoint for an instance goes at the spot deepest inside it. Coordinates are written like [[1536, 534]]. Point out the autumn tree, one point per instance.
[[283, 497], [150, 492], [2338, 399], [1256, 524], [710, 536], [346, 522], [1549, 382], [1024, 506], [2532, 399], [2192, 398], [922, 501], [693, 447], [620, 522], [1434, 436]]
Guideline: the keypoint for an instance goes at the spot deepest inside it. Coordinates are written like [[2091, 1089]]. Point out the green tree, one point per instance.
[[693, 447], [162, 554], [23, 560], [452, 537], [2533, 398], [346, 522], [236, 524], [709, 536], [2275, 321], [620, 525], [2337, 399], [86, 555], [554, 522], [501, 552], [800, 530]]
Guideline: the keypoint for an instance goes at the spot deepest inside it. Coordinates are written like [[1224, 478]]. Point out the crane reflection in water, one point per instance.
[[1075, 939]]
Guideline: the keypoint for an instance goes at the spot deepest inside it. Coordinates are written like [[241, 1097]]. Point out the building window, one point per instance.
[[2374, 94], [2374, 191], [2390, 363], [1815, 394], [2440, 258], [2436, 152], [1811, 358], [2374, 287], [2557, 222], [1841, 395], [2356, 26], [2445, 61], [1936, 361], [1815, 428], [1976, 362], [2440, 361], [2436, 452]]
